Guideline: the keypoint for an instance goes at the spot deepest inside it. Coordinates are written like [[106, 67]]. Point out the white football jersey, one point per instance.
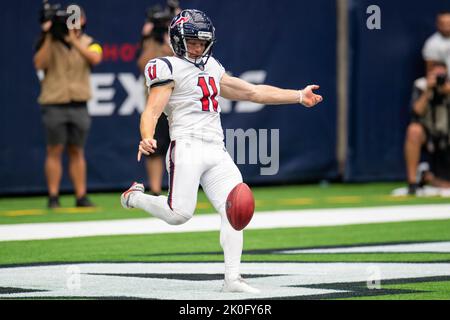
[[193, 110]]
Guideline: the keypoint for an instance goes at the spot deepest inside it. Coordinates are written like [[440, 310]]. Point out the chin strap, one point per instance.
[[201, 64]]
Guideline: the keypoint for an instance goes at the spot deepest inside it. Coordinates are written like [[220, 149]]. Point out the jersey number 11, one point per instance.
[[208, 98]]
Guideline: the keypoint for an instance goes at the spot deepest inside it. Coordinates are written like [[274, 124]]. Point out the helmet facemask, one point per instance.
[[203, 59]]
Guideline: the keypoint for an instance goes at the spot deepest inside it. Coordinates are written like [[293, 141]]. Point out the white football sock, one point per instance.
[[232, 242]]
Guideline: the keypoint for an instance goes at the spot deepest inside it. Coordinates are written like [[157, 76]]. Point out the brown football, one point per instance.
[[240, 206]]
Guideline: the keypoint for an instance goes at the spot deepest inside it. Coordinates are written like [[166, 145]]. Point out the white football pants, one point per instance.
[[190, 163]]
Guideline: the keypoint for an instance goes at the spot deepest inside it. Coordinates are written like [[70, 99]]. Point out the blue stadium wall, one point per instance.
[[283, 43]]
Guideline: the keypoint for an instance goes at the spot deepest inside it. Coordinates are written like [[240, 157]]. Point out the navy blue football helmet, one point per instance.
[[191, 24]]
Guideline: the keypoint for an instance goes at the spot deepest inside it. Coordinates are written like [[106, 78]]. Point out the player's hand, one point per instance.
[[310, 99], [146, 147]]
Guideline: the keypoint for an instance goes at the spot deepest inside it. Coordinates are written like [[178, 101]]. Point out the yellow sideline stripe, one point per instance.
[[344, 199], [408, 198], [296, 201], [37, 212], [395, 198], [17, 213], [77, 210]]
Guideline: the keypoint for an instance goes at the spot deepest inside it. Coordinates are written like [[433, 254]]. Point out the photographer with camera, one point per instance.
[[429, 128], [66, 55], [155, 43]]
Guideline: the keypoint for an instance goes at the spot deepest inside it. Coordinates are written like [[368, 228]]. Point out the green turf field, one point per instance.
[[204, 246], [259, 246], [33, 209]]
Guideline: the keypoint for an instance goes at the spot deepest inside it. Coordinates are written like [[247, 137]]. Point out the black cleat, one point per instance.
[[84, 202], [412, 189], [53, 202], [422, 170]]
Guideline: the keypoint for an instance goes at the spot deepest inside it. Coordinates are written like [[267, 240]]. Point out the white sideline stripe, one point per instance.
[[211, 222], [432, 247]]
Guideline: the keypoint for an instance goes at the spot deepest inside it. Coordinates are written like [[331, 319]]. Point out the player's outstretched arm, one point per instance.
[[157, 100], [233, 88]]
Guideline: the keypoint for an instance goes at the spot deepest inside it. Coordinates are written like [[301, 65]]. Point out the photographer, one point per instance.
[[155, 43], [429, 128], [66, 56], [154, 36]]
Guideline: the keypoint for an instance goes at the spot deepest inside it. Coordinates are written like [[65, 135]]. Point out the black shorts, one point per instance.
[[66, 124], [161, 136]]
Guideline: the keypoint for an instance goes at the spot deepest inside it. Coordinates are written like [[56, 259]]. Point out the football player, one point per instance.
[[186, 87]]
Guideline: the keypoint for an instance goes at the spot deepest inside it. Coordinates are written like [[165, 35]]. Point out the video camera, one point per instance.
[[58, 17], [161, 18]]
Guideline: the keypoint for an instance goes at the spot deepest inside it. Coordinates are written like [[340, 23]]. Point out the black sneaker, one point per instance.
[[84, 202], [412, 189], [53, 202]]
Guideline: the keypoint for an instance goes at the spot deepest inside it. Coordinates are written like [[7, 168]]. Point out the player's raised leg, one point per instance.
[[217, 182], [184, 176]]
